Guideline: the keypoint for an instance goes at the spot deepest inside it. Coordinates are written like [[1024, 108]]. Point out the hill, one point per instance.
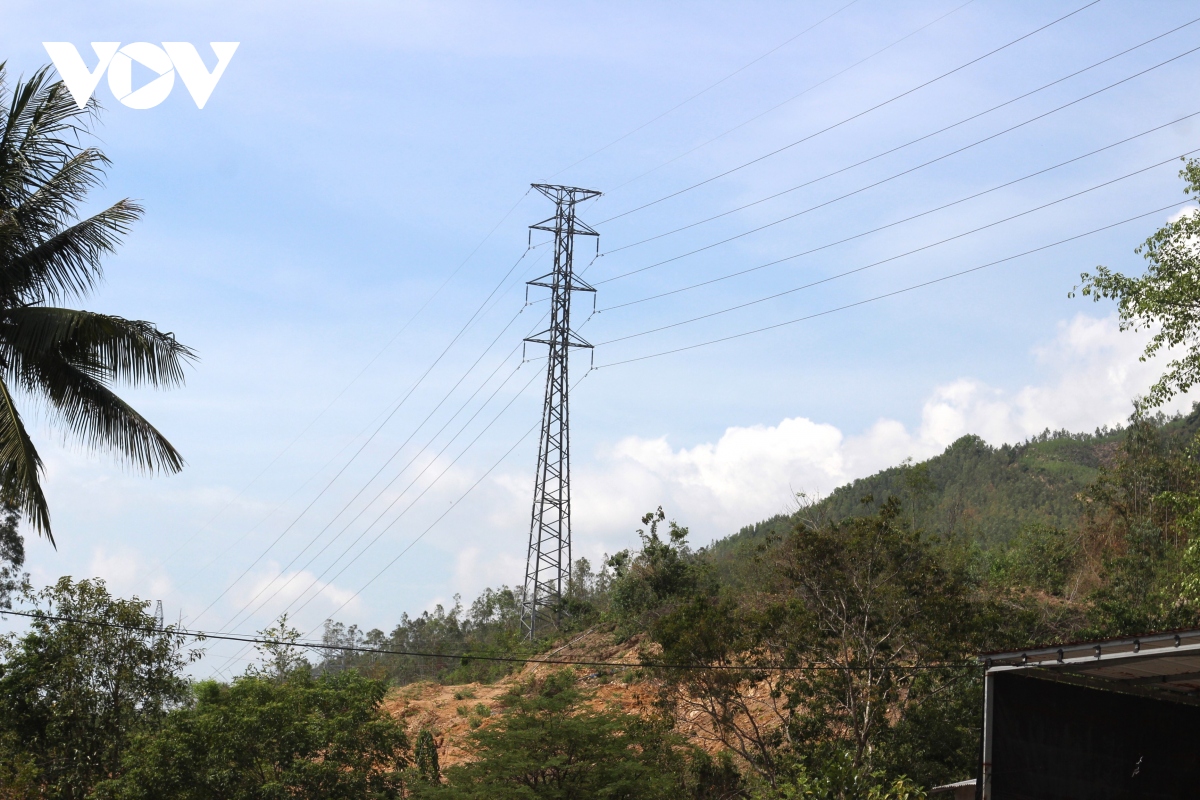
[[973, 489]]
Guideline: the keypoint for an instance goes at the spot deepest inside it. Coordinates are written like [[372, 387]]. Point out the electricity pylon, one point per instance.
[[548, 566]]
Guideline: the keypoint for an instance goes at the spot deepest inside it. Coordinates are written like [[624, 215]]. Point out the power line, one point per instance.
[[331, 459], [346, 388], [794, 97], [852, 118], [315, 539], [706, 89], [894, 176], [887, 294], [906, 144], [463, 496], [898, 256], [897, 222], [395, 454], [220, 555], [468, 656], [378, 518], [374, 433], [384, 530], [402, 470], [381, 514]]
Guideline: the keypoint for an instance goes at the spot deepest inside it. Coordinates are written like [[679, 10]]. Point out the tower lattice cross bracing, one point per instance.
[[548, 565]]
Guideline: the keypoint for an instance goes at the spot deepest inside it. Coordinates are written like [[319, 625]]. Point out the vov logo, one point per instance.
[[164, 61]]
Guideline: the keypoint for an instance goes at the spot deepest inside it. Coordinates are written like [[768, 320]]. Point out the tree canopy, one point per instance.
[[323, 738], [549, 744], [91, 673], [66, 360], [1166, 299]]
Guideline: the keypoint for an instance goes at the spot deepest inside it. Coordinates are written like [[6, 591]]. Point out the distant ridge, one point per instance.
[[974, 490]]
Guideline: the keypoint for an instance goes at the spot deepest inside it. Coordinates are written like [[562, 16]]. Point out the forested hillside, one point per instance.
[[977, 491], [835, 652], [829, 653]]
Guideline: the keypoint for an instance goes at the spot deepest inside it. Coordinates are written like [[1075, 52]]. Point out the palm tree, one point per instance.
[[64, 360]]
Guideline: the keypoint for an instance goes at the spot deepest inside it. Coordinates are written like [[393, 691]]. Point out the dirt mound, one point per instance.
[[452, 712]]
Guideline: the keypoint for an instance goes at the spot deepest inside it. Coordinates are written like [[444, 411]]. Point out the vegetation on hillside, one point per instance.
[[828, 654], [831, 652], [547, 742]]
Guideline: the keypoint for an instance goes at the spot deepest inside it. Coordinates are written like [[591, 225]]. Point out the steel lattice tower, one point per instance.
[[548, 567]]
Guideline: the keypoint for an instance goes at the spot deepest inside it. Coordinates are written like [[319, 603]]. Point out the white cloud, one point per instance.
[[276, 591], [1188, 211], [475, 567], [746, 472], [127, 574], [753, 472]]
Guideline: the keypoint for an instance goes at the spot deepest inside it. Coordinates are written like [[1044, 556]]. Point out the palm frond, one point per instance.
[[63, 357], [21, 467], [53, 204], [42, 127], [106, 347], [68, 263], [94, 415]]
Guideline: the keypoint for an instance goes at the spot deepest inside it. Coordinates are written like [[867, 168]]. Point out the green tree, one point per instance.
[[12, 555], [550, 744], [663, 572], [837, 779], [874, 604], [279, 654], [1040, 557], [64, 358], [813, 676], [324, 738], [491, 626], [425, 757], [91, 672], [1166, 299], [1139, 517]]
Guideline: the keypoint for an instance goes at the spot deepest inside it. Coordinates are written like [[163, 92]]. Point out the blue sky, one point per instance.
[[356, 157]]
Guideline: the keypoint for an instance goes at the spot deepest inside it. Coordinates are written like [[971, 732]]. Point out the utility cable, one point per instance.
[[902, 146], [468, 656], [914, 287], [380, 427], [402, 470], [393, 456], [404, 511], [898, 256], [395, 500], [463, 496], [346, 388], [374, 522], [927, 212], [422, 494], [854, 117], [331, 459], [394, 479], [894, 176], [794, 97], [705, 90]]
